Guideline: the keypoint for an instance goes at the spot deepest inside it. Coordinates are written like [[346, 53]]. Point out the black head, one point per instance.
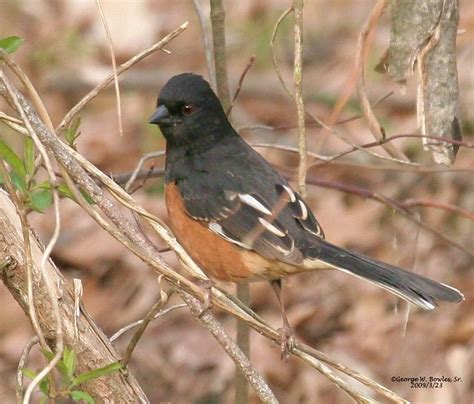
[[189, 113]]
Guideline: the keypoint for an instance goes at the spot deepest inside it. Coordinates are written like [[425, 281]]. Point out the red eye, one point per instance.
[[188, 109]]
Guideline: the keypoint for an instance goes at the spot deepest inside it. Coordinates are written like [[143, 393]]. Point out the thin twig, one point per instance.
[[363, 47], [220, 52], [161, 313], [122, 179], [321, 356], [222, 83], [121, 69], [298, 80], [380, 142], [145, 179], [207, 41], [12, 125], [276, 66], [140, 164], [461, 143], [311, 124], [400, 169], [22, 365], [11, 119], [365, 193], [114, 65], [241, 81], [243, 342], [343, 385], [35, 98], [412, 203], [233, 351], [150, 316]]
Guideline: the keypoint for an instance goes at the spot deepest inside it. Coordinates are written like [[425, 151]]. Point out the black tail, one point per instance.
[[414, 288]]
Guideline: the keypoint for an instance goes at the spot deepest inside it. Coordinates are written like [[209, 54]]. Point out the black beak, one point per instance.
[[161, 116]]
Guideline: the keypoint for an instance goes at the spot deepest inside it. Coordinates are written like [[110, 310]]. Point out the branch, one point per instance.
[[220, 53], [92, 347], [220, 60], [241, 81], [233, 351], [298, 79], [207, 41]]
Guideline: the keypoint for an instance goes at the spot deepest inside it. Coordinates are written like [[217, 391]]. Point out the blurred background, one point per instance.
[[65, 53]]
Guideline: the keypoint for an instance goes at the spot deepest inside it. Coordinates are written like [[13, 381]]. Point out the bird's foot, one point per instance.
[[287, 341]]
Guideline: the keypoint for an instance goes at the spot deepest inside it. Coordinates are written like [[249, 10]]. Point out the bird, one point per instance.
[[239, 219]]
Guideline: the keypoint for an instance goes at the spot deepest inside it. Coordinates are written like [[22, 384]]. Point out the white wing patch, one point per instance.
[[285, 251], [270, 227], [304, 210], [300, 211], [290, 192], [254, 203], [217, 228]]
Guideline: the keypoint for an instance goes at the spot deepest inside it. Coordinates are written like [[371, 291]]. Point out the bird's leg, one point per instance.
[[287, 336]]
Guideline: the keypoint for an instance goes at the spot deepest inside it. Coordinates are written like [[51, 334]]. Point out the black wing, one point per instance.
[[273, 221]]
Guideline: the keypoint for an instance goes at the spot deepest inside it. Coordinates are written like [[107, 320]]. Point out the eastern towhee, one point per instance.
[[238, 218]]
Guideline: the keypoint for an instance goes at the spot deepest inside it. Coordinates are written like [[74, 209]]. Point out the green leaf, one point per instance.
[[94, 374], [11, 43], [69, 360], [40, 200], [44, 386], [61, 366], [65, 192], [63, 371], [72, 132], [29, 156], [7, 154], [78, 395], [42, 185], [47, 354], [17, 181], [31, 374], [87, 197]]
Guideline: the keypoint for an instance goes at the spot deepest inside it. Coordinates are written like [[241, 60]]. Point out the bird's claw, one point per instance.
[[287, 342]]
